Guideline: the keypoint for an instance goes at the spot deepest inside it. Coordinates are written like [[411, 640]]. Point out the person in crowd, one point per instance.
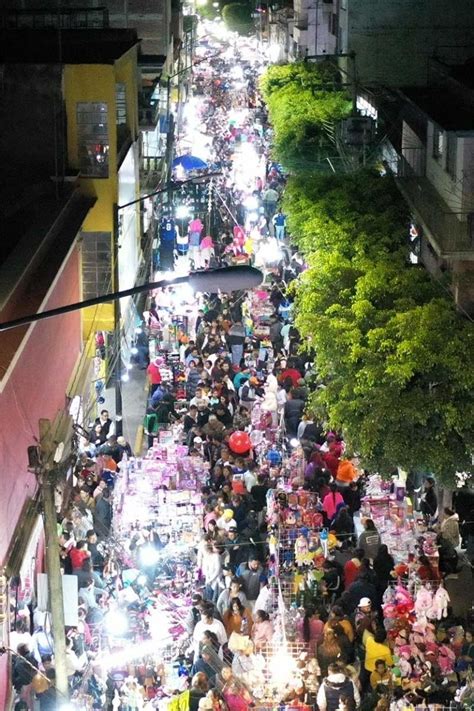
[[208, 622], [383, 567], [352, 567], [365, 618], [251, 575], [262, 630], [369, 539], [381, 674], [376, 649], [429, 500], [311, 629], [330, 650], [211, 567], [343, 524], [331, 502], [237, 618], [106, 424], [337, 687], [24, 668], [78, 554], [293, 411], [103, 514], [449, 528], [233, 591]]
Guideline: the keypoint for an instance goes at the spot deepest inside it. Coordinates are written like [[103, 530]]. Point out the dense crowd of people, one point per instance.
[[239, 371]]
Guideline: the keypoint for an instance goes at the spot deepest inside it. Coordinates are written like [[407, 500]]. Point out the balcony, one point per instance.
[[452, 238]]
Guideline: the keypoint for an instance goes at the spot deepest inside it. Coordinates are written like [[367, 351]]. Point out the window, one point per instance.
[[438, 143], [451, 157], [96, 263], [93, 139]]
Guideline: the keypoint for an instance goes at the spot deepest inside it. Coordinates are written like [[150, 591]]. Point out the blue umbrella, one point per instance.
[[188, 162]]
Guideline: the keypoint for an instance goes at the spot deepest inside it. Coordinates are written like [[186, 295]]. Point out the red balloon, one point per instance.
[[239, 442]]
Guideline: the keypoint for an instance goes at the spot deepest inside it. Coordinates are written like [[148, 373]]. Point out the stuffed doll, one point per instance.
[[423, 602], [439, 606]]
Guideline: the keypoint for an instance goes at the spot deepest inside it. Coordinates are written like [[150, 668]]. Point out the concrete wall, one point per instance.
[[458, 190], [394, 39]]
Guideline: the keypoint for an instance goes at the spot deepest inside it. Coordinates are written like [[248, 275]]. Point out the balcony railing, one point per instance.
[[452, 235]]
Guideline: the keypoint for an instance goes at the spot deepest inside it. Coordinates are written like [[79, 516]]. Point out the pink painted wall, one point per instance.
[[34, 389]]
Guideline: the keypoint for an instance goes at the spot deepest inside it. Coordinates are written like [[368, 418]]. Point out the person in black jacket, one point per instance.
[[293, 412], [359, 589], [237, 547], [429, 501], [23, 668]]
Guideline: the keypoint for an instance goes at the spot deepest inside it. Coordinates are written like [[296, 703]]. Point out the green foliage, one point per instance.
[[238, 17], [301, 75], [394, 356], [303, 105]]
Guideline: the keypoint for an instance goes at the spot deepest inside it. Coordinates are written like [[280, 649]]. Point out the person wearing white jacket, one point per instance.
[[211, 566], [207, 623], [270, 398]]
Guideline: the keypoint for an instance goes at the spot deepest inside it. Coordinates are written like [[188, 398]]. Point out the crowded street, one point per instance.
[[243, 558]]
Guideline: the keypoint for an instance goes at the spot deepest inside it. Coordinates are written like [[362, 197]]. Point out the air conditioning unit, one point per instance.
[[358, 130]]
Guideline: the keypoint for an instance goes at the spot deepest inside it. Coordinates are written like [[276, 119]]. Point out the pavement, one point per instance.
[[134, 400]]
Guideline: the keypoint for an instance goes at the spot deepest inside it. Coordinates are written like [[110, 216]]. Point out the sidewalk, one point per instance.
[[134, 401]]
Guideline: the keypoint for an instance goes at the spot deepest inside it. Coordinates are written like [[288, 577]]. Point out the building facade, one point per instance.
[[38, 363]]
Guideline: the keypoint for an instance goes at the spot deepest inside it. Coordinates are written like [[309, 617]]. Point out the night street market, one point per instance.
[[244, 559]]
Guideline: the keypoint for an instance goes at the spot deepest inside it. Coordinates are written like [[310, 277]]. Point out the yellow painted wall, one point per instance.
[[93, 82], [97, 83]]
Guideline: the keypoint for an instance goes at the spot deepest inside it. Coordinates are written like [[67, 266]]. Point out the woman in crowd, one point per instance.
[[237, 618]]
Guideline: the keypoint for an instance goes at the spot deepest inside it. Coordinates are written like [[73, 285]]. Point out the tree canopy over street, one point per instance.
[[393, 356], [304, 101]]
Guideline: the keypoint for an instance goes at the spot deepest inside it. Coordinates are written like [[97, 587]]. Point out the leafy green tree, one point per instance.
[[303, 105], [392, 354], [238, 17]]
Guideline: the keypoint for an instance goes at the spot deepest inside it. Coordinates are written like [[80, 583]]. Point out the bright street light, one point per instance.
[[182, 211]]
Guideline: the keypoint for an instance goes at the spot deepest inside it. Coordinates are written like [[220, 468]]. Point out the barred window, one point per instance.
[[96, 263], [93, 139]]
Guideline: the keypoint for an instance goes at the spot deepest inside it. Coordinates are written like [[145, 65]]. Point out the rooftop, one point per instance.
[[442, 106], [50, 46]]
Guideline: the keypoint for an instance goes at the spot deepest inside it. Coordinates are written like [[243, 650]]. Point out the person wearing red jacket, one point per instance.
[[331, 462], [154, 375], [78, 555], [291, 373]]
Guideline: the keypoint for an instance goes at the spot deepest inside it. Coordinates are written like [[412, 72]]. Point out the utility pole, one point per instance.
[[117, 328], [47, 476]]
